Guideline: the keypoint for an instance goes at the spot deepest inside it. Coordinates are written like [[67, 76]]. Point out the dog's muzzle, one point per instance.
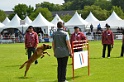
[[49, 47]]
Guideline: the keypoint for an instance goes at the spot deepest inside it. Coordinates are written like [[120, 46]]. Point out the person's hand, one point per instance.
[[71, 55], [111, 46]]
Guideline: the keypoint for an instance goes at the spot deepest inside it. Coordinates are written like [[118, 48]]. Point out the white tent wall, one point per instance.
[[46, 29], [1, 26]]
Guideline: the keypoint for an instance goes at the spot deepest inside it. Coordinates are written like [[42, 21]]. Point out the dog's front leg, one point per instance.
[[46, 53]]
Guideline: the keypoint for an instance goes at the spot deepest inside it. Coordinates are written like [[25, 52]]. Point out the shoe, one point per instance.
[[65, 81], [108, 57], [103, 57], [36, 63]]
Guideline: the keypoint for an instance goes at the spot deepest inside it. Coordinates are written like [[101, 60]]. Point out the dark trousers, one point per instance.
[[104, 49], [30, 51], [62, 64], [122, 50]]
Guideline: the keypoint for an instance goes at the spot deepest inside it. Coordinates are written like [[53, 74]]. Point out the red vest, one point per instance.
[[107, 37]]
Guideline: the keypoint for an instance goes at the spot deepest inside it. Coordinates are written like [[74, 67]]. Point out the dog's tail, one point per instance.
[[22, 65]]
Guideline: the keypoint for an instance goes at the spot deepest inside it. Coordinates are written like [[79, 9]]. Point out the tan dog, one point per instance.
[[39, 52]]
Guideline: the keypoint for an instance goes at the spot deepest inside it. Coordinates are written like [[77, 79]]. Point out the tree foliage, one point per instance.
[[50, 6], [22, 10], [44, 11], [100, 8], [118, 11], [2, 15], [96, 10], [118, 3], [66, 17], [104, 4]]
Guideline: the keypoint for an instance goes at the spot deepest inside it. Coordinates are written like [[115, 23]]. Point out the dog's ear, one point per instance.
[[44, 44]]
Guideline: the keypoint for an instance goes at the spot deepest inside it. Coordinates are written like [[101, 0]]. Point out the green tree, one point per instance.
[[118, 3], [50, 6], [44, 11], [96, 10], [104, 4], [79, 4], [65, 18], [118, 11], [67, 5], [67, 1], [2, 15], [22, 10]]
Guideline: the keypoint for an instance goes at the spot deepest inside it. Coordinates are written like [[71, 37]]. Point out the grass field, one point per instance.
[[102, 70]]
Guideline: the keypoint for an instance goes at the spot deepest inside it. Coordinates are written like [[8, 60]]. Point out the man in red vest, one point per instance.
[[31, 41], [107, 40], [78, 36]]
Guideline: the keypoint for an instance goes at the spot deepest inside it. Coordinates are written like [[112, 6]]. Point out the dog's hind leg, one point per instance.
[[27, 68], [22, 65], [42, 56]]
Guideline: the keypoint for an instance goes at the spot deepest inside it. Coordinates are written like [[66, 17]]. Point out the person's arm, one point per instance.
[[123, 39], [25, 41], [53, 47], [84, 38], [112, 39], [69, 45], [102, 37], [37, 40]]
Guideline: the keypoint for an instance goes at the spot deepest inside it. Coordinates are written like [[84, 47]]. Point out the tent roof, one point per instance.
[[1, 25], [76, 20], [91, 18], [56, 19], [15, 22], [28, 20], [41, 21], [6, 21], [113, 16]]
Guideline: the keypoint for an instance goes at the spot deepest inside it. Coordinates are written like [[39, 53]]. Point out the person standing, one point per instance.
[[78, 36], [107, 40], [31, 41], [62, 50], [122, 48]]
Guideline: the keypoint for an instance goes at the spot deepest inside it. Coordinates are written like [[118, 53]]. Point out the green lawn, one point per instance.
[[101, 70]]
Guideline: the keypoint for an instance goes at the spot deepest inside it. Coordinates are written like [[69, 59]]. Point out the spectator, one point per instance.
[[91, 28]]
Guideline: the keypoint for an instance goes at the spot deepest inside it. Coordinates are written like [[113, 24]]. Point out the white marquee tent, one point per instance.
[[115, 21], [40, 21], [56, 19], [28, 20], [15, 23], [91, 19], [6, 21], [1, 26], [76, 20], [113, 16]]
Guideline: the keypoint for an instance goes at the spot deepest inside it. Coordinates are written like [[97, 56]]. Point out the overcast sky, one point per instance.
[[7, 5]]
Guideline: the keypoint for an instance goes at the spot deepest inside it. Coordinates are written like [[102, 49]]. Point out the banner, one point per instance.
[[80, 59]]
